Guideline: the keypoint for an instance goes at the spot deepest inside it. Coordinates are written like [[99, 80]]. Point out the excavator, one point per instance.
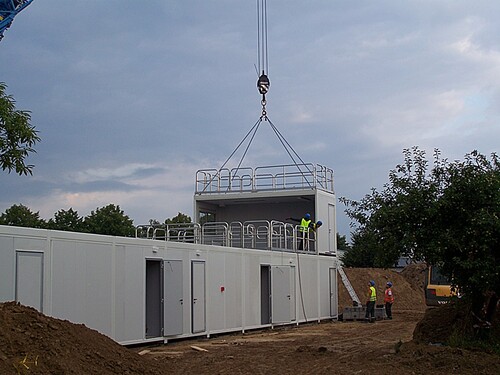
[[8, 10]]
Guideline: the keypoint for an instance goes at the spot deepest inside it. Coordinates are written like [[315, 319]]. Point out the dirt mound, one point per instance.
[[33, 343], [438, 324], [408, 286], [415, 275]]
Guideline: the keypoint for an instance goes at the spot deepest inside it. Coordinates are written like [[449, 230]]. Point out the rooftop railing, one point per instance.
[[274, 177], [256, 234]]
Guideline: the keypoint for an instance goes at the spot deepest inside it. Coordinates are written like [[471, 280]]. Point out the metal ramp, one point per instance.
[[348, 286]]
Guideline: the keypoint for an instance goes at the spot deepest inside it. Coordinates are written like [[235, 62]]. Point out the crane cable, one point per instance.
[[263, 82], [263, 85]]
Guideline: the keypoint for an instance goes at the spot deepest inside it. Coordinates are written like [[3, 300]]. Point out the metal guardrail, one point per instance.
[[255, 234], [273, 177], [185, 232]]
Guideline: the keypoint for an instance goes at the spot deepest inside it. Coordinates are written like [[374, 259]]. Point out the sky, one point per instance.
[[131, 98]]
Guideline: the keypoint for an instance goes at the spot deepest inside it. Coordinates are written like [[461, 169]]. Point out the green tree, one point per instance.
[[67, 220], [398, 219], [110, 220], [179, 219], [467, 244], [449, 216], [342, 242], [361, 253], [176, 229], [17, 136], [21, 216]]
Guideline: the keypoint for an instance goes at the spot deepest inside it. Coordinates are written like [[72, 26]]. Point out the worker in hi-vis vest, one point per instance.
[[388, 299], [306, 224], [370, 302]]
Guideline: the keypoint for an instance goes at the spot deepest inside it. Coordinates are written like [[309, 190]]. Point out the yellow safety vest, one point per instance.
[[304, 225], [373, 296]]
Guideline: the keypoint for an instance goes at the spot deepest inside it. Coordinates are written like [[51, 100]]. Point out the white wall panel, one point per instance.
[[129, 293], [233, 290], [82, 283], [29, 279], [216, 300], [7, 268]]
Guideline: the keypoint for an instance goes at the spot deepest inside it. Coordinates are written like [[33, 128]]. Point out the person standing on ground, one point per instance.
[[370, 302], [388, 299]]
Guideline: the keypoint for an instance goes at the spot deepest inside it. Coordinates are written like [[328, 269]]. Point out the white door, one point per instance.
[[281, 296], [293, 304], [198, 296], [173, 302], [29, 279], [332, 228], [334, 302]]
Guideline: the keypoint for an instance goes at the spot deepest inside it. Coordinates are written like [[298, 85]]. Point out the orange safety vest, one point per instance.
[[388, 297]]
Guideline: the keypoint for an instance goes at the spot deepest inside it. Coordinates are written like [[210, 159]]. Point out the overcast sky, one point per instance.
[[131, 98]]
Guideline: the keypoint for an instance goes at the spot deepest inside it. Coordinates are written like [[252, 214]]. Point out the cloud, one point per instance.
[[128, 171], [131, 98]]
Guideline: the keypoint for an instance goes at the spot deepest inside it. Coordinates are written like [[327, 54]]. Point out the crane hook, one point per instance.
[[263, 84]]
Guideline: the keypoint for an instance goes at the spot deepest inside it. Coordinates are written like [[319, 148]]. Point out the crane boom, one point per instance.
[[8, 10]]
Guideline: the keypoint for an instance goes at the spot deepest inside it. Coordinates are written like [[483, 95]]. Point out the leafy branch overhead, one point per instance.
[[17, 136]]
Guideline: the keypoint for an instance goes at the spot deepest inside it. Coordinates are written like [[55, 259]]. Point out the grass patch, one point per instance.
[[481, 340]]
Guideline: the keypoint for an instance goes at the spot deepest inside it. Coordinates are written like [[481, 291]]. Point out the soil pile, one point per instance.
[[439, 325], [33, 343], [408, 286]]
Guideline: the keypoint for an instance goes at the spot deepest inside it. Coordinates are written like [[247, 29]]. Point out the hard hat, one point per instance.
[[319, 223], [372, 283], [307, 216], [389, 284]]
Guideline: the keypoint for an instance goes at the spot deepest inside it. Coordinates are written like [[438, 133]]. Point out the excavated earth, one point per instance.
[[411, 343]]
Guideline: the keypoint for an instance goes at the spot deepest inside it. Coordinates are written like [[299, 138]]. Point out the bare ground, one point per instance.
[[32, 343]]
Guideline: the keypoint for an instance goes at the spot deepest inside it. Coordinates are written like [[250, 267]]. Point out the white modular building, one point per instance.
[[243, 264]]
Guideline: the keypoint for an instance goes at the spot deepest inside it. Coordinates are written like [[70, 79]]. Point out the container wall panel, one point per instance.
[[216, 277], [233, 291], [82, 283], [129, 293], [7, 268]]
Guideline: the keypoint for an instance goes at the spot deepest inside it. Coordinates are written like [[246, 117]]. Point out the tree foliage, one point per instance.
[[17, 136], [110, 220], [180, 218], [467, 245], [361, 253], [392, 221], [67, 220], [342, 242], [449, 216], [21, 216]]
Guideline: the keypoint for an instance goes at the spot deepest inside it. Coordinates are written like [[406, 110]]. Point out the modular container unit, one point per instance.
[[228, 271], [137, 290]]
